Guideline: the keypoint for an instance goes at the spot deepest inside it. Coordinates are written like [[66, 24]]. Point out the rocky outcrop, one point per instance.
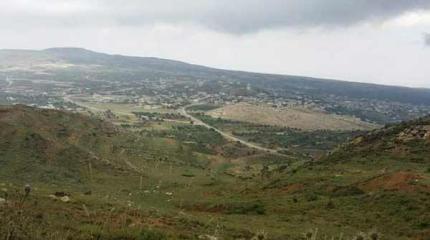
[[419, 132]]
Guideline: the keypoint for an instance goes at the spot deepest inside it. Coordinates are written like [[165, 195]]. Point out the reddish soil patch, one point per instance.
[[423, 236], [397, 181], [293, 188], [210, 194]]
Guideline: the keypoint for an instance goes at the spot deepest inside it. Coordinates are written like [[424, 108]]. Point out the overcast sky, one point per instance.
[[378, 41]]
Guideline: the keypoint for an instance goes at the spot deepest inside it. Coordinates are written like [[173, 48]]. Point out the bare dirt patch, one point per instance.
[[398, 181], [293, 188]]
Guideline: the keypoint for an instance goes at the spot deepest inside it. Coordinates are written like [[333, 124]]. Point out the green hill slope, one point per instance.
[[380, 180], [377, 184], [408, 142], [37, 144]]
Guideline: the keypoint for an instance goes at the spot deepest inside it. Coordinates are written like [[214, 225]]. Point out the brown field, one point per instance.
[[300, 118]]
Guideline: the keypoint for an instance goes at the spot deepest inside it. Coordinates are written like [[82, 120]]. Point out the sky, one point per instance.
[[375, 41]]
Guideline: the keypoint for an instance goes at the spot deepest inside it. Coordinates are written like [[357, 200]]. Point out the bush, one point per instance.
[[311, 197], [151, 235], [247, 208], [347, 191]]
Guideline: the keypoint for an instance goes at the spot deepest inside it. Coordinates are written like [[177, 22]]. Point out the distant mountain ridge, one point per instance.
[[306, 84]]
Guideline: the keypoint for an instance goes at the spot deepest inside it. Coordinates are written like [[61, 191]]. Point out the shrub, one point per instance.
[[247, 208], [347, 191], [147, 234], [374, 236], [311, 197]]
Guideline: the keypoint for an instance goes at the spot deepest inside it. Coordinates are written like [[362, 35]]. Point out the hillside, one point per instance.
[[384, 173], [407, 141], [54, 146], [400, 152], [91, 180], [47, 75]]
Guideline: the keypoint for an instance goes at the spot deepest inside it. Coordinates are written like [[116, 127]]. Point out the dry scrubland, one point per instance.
[[300, 118]]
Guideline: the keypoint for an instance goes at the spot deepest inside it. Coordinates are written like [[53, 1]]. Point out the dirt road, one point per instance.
[[197, 121]]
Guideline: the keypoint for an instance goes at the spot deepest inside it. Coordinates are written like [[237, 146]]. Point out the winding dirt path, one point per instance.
[[197, 121]]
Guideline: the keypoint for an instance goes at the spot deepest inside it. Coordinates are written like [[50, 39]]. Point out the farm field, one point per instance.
[[299, 118]]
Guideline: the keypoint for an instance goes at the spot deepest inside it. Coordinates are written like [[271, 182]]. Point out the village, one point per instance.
[[172, 94]]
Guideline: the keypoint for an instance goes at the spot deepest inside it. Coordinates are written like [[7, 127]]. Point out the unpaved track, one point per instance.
[[197, 121]]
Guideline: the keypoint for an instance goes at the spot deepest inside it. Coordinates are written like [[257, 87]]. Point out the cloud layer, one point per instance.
[[232, 16], [378, 41]]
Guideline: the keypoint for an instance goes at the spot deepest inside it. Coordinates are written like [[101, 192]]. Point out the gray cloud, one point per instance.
[[427, 39], [233, 16]]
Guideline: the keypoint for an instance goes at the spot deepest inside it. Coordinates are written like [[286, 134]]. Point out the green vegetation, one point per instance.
[[203, 107], [92, 180], [407, 140], [314, 142], [160, 116], [200, 138]]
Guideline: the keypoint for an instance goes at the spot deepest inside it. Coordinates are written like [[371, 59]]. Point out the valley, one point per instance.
[[118, 147]]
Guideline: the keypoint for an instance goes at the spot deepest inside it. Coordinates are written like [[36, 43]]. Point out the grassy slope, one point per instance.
[[44, 144], [357, 188]]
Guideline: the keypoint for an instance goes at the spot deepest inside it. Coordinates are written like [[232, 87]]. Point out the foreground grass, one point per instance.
[[186, 202]]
